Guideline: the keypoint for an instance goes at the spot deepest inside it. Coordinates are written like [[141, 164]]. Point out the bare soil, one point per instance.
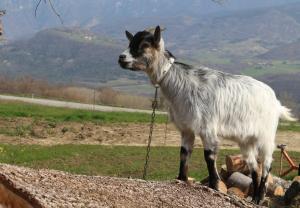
[[48, 188], [29, 131]]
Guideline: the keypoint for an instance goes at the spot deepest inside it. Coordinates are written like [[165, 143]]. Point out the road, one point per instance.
[[74, 105]]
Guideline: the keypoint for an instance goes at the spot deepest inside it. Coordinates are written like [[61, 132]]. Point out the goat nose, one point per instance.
[[122, 56]]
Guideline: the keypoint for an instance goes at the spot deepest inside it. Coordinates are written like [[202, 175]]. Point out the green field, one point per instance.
[[120, 161], [277, 67], [293, 126], [55, 114]]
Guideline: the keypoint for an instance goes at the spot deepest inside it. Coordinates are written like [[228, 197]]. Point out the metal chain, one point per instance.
[[154, 106], [166, 130]]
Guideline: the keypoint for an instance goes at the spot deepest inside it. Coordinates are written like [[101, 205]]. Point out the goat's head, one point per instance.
[[144, 50]]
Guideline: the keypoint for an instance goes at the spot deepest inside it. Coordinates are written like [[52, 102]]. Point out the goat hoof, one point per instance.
[[179, 181], [256, 200], [180, 178]]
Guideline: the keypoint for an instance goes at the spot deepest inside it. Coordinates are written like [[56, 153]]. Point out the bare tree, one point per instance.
[[60, 18], [50, 3], [2, 12]]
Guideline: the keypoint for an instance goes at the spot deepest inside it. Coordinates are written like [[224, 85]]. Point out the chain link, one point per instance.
[[166, 130], [154, 106]]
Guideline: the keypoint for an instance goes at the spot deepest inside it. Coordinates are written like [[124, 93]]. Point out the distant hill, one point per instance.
[[65, 55], [261, 42], [289, 51]]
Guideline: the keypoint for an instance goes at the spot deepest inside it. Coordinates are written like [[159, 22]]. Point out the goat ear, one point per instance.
[[128, 35], [157, 35]]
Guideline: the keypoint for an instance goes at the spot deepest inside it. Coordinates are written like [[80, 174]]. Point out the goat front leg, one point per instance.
[[210, 143], [210, 158], [187, 143]]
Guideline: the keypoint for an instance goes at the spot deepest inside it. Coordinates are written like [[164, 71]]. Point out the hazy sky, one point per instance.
[[20, 20]]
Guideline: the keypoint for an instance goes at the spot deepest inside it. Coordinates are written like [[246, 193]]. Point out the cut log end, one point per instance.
[[274, 190], [236, 163], [222, 187], [237, 192]]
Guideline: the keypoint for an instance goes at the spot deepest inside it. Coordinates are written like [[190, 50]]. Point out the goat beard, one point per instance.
[[138, 67]]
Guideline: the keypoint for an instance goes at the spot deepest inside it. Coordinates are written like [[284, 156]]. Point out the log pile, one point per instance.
[[238, 182]]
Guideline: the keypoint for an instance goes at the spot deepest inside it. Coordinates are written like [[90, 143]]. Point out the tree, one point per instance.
[[51, 6], [2, 12]]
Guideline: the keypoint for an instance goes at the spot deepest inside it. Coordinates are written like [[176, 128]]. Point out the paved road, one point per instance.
[[57, 103]]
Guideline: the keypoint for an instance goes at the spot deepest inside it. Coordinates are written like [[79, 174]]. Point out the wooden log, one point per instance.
[[9, 199], [292, 192], [240, 181], [236, 163], [236, 191], [224, 174], [270, 179], [297, 178], [274, 190], [279, 181], [222, 187]]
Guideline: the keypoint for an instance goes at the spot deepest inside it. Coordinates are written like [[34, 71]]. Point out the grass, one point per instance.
[[210, 57], [120, 161], [19, 130], [275, 68], [56, 114], [291, 126]]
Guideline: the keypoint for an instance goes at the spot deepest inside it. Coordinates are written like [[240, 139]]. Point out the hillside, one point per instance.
[[261, 42], [290, 52], [64, 55], [20, 21]]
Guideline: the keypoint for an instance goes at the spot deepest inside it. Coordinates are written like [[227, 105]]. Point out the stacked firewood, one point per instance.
[[236, 180]]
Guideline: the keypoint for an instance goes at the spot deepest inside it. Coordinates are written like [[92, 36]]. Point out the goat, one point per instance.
[[212, 104]]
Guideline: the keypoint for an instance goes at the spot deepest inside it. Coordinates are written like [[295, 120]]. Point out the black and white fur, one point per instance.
[[212, 104]]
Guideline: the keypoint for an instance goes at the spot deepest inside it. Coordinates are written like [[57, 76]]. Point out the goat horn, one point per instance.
[[152, 29]]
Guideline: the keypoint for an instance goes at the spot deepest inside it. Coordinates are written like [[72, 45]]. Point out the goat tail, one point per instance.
[[286, 115]]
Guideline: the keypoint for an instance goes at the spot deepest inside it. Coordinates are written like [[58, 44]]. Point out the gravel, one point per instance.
[[50, 188]]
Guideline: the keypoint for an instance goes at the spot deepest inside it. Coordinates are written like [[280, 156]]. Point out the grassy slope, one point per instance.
[[277, 67], [103, 160], [121, 161], [18, 109], [55, 114]]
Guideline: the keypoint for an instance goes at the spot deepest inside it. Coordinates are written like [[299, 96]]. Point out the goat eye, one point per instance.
[[145, 45]]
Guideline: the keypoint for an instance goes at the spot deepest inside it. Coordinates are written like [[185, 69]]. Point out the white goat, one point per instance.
[[211, 104]]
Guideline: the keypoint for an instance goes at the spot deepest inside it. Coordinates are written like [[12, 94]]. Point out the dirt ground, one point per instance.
[[29, 131]]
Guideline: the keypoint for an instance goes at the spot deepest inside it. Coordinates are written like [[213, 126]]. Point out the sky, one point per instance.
[[21, 22]]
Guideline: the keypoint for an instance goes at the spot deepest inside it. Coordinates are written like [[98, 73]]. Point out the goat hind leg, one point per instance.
[[263, 181], [250, 155]]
